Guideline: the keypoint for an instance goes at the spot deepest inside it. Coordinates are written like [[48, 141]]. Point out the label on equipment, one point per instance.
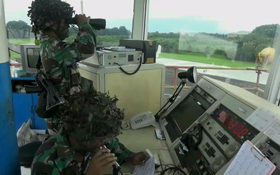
[[122, 55]]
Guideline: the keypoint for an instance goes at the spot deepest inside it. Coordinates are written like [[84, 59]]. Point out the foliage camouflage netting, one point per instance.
[[44, 13], [87, 115]]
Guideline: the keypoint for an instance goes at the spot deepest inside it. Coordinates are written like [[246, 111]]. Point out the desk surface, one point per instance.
[[141, 139]]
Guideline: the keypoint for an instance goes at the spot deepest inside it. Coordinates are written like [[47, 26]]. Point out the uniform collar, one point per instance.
[[45, 37], [65, 151]]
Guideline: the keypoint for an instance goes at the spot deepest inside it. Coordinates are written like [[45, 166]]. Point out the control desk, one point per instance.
[[205, 129]]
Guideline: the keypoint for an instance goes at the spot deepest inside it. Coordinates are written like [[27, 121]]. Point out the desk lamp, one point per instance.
[[191, 76]]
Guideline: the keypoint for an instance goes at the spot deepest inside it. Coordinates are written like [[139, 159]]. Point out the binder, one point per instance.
[[250, 161]]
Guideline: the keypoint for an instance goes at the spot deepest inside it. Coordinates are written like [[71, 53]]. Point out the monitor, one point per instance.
[[29, 55], [32, 55], [187, 112], [181, 117]]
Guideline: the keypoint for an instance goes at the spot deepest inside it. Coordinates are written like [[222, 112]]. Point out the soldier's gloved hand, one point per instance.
[[81, 19], [100, 162]]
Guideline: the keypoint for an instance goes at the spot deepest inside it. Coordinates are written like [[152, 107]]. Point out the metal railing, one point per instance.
[[175, 68], [256, 87]]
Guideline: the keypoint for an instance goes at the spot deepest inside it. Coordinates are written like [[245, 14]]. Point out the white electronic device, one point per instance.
[[140, 120], [159, 134], [114, 56]]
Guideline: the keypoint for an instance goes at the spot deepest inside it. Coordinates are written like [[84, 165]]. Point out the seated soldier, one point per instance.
[[89, 121]]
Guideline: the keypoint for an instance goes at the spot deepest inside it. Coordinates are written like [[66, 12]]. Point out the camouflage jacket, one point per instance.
[[59, 58], [55, 157]]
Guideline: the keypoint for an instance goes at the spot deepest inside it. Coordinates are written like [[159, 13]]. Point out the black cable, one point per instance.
[[132, 73], [171, 100], [9, 51]]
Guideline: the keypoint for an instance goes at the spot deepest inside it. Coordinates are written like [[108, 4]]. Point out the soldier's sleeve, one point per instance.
[[85, 42], [41, 165], [120, 150], [41, 168]]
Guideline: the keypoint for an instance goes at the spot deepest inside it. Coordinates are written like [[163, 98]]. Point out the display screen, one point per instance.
[[236, 128], [187, 112], [32, 57]]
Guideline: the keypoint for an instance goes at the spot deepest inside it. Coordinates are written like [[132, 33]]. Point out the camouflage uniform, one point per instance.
[[59, 62], [59, 59], [85, 116], [55, 157]]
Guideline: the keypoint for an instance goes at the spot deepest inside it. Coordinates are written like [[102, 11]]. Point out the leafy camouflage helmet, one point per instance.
[[46, 13], [89, 115]]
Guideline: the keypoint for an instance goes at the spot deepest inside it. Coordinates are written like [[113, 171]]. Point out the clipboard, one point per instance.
[[250, 161]]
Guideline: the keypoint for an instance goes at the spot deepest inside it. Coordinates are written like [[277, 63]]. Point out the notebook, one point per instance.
[[250, 161]]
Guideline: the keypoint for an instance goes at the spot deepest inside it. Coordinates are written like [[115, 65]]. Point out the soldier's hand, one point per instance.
[[82, 19], [101, 161]]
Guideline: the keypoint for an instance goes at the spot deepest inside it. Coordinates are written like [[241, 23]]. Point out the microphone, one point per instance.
[[116, 166], [96, 23]]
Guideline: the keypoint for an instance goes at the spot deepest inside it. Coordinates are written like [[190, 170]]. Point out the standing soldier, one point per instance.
[[51, 19]]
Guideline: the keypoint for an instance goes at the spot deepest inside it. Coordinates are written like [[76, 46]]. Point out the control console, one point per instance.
[[272, 151], [234, 125], [187, 112], [208, 146], [209, 129], [228, 145]]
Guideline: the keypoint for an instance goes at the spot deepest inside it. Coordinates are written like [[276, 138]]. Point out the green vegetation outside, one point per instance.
[[210, 48], [202, 58], [188, 56]]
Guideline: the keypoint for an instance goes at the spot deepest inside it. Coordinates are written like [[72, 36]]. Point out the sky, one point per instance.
[[232, 16]]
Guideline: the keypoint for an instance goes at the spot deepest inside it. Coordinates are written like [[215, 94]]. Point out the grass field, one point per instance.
[[201, 58], [193, 57]]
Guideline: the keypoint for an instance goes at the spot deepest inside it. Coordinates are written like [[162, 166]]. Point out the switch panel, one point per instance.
[[225, 141], [211, 153]]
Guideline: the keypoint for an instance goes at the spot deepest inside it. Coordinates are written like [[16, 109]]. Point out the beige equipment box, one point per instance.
[[140, 92]]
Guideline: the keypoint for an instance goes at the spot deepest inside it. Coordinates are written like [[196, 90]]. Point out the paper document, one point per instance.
[[148, 168], [273, 132], [261, 119], [250, 161]]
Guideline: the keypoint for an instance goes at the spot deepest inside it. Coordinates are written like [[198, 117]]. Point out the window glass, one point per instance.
[[216, 35], [118, 20]]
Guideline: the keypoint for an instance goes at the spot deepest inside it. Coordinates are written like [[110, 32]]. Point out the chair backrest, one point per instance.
[[27, 153]]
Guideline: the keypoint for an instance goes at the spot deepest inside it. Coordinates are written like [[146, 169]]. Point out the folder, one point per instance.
[[250, 161]]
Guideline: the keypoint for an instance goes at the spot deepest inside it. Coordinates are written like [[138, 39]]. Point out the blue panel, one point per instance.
[[39, 123], [22, 108], [9, 161], [23, 78]]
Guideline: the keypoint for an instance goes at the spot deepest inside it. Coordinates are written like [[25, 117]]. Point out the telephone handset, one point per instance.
[[140, 120]]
